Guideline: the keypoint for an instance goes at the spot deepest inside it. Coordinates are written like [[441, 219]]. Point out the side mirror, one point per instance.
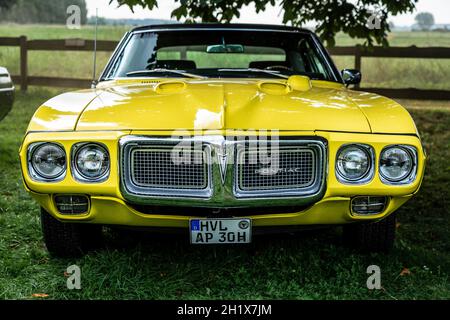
[[351, 76]]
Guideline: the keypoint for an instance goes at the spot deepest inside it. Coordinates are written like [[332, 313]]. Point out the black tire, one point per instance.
[[371, 237], [64, 239]]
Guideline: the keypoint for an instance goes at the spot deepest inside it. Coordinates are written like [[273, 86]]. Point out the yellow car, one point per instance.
[[221, 132]]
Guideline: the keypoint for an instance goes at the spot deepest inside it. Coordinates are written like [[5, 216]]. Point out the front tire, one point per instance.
[[372, 237], [64, 239]]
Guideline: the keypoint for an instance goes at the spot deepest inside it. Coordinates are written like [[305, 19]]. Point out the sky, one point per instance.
[[439, 8]]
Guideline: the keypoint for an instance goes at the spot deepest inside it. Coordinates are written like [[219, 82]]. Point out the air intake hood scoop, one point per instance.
[[170, 86], [293, 83]]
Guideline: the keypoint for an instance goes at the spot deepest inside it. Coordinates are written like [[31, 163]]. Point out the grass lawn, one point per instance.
[[310, 265]]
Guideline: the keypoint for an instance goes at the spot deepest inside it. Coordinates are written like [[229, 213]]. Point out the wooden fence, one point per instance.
[[88, 45]]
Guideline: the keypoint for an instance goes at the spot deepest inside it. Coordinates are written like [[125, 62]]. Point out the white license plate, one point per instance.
[[214, 231]]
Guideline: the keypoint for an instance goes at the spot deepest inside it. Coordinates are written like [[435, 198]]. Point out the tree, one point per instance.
[[6, 4], [367, 19], [40, 11], [425, 20]]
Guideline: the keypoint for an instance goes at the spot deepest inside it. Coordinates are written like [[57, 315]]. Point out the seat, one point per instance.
[[175, 64], [265, 64]]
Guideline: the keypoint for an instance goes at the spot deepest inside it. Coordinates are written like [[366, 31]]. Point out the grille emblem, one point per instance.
[[272, 171], [222, 158]]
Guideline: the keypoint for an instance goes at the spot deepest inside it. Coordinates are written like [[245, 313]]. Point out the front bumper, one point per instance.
[[113, 211], [108, 206]]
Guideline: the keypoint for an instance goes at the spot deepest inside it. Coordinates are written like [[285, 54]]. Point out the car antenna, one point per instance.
[[94, 81]]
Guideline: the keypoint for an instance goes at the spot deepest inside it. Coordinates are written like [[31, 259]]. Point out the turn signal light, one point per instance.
[[368, 205], [72, 204]]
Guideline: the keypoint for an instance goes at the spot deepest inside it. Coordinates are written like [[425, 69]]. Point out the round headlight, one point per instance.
[[92, 161], [353, 162], [396, 164], [48, 160]]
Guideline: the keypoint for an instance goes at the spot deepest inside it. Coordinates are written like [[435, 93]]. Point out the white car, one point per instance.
[[6, 92]]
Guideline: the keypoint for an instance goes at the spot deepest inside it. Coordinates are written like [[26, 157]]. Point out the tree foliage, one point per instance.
[[364, 19], [425, 20], [6, 4], [40, 11]]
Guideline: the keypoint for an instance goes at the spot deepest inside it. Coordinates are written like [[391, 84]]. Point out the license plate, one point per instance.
[[216, 231]]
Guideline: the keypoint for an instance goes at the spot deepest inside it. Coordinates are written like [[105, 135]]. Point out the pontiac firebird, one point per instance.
[[231, 96]]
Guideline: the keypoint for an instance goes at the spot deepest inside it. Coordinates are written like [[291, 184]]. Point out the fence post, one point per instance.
[[357, 61], [183, 53], [23, 63]]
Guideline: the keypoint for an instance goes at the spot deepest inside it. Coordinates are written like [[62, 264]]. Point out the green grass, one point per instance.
[[377, 72], [310, 265]]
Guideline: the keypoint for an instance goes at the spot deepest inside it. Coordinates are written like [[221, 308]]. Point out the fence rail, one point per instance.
[[102, 45]]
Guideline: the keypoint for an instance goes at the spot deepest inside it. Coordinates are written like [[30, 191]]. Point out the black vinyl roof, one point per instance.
[[181, 26]]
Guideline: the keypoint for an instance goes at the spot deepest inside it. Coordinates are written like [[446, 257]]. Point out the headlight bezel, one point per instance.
[[76, 172], [34, 173], [412, 174], [368, 174]]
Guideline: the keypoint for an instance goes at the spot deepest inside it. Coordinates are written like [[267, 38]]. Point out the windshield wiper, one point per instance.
[[162, 70], [271, 72]]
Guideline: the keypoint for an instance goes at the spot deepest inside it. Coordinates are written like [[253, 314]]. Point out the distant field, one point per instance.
[[403, 73], [62, 64], [405, 39], [420, 39], [33, 31], [377, 72]]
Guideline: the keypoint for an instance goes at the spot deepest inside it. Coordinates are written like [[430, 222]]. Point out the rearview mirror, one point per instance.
[[351, 76], [225, 48]]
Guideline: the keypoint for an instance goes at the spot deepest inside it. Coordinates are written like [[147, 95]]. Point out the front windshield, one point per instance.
[[220, 54]]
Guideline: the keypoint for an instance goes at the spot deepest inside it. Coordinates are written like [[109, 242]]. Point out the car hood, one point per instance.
[[224, 104]]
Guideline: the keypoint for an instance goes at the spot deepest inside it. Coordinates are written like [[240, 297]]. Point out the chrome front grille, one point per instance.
[[294, 168], [222, 173], [289, 168], [154, 167]]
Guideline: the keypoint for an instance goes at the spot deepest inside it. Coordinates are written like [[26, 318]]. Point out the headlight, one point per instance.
[[47, 161], [90, 162], [396, 163], [354, 163]]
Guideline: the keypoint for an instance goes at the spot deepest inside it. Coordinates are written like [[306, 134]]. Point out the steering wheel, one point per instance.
[[278, 67]]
